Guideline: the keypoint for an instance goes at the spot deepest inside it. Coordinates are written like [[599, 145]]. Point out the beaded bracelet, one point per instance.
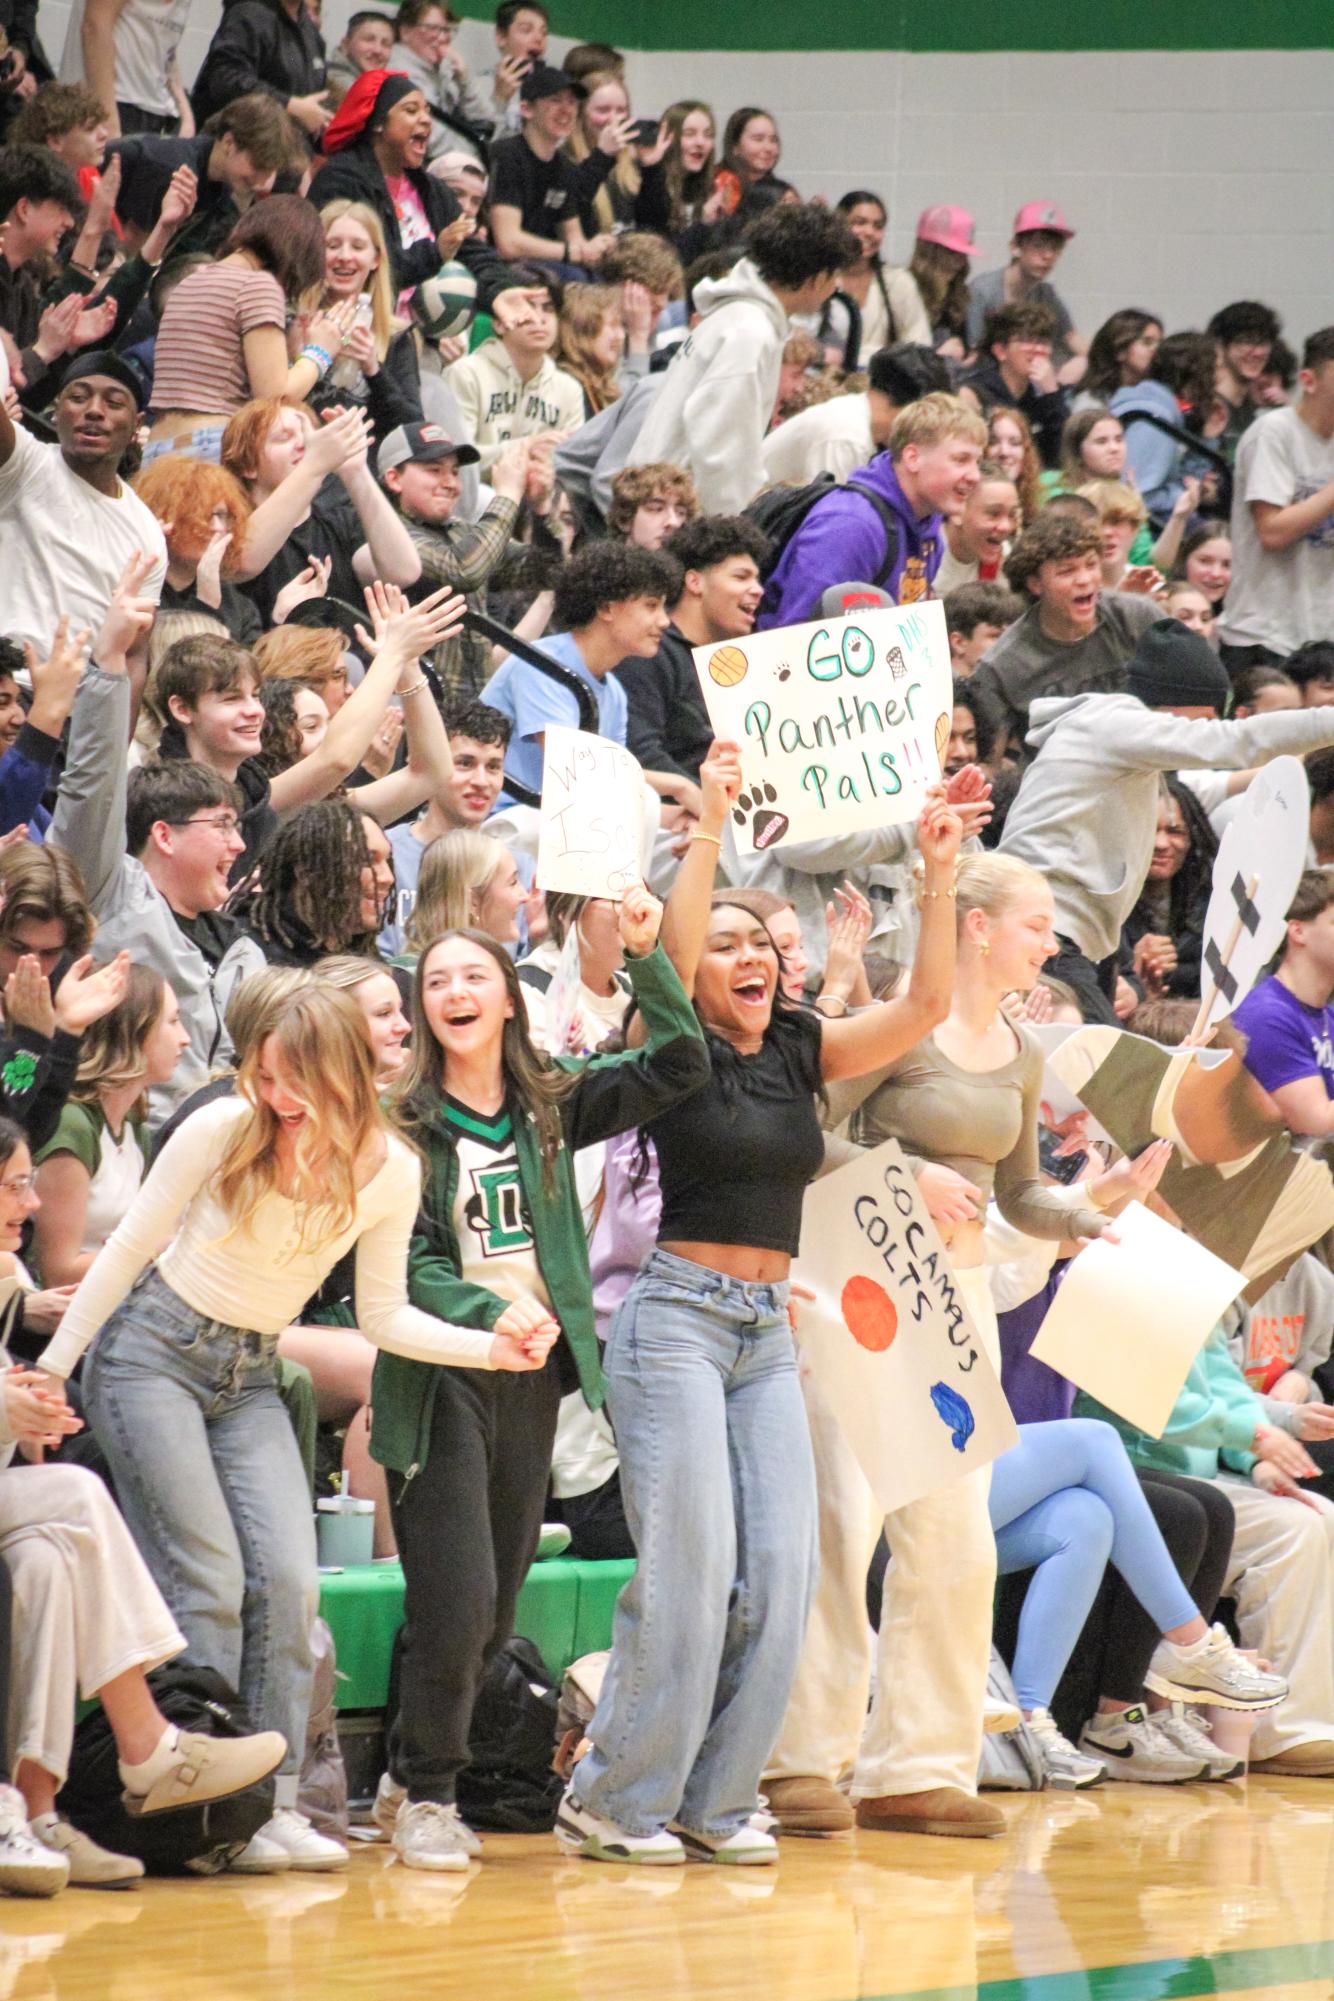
[[321, 356], [939, 892], [698, 835]]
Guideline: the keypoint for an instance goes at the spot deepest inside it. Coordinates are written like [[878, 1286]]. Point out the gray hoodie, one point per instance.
[[717, 398], [1088, 807], [132, 913]]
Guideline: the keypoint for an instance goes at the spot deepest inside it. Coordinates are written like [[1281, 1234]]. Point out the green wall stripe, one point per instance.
[[1151, 1979], [963, 25]]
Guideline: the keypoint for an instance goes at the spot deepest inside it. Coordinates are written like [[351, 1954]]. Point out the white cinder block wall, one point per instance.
[[1192, 178]]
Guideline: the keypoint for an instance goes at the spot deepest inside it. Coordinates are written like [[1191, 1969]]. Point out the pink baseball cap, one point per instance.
[[1041, 215], [951, 228]]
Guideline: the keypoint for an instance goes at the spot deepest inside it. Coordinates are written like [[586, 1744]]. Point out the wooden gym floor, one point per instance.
[[1124, 1893]]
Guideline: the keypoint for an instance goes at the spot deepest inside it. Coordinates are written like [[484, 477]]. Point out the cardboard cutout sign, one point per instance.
[[842, 722], [1260, 860], [592, 804], [888, 1336], [1129, 1318]]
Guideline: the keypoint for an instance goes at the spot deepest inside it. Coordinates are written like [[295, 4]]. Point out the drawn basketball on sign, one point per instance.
[[727, 666], [943, 724], [869, 1314]]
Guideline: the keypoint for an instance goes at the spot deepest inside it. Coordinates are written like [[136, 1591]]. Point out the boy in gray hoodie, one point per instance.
[[717, 398], [1087, 808]]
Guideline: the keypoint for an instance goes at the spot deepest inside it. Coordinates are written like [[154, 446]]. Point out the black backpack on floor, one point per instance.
[[199, 1840], [779, 511]]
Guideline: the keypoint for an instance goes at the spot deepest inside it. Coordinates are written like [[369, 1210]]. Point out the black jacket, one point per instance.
[[1046, 412], [356, 175], [668, 726], [390, 397], [258, 46], [147, 164]]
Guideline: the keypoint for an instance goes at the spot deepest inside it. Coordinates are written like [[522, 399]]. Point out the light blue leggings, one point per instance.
[[1063, 1501]]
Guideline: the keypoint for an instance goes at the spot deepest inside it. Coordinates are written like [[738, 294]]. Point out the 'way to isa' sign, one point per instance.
[[842, 722]]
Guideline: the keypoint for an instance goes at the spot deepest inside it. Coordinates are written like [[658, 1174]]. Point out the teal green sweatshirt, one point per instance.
[[1212, 1424]]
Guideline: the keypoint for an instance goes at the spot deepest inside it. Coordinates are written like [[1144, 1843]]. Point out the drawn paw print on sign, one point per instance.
[[756, 808]]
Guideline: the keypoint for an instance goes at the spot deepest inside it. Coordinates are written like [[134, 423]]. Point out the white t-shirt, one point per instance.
[[1280, 598], [64, 544], [952, 573], [146, 36], [495, 1243], [829, 437]]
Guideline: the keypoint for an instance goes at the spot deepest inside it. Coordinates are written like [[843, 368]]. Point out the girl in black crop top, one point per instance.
[[716, 1464]]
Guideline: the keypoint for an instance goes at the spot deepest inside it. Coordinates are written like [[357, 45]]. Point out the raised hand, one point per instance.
[[640, 918], [85, 994], [344, 439], [208, 572], [28, 1002], [939, 832], [848, 924], [55, 680], [719, 782], [128, 616], [312, 582]]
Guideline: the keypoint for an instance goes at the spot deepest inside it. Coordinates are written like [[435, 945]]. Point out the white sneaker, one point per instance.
[[291, 1832], [1187, 1731], [581, 1832], [260, 1857], [90, 1867], [1212, 1671], [1064, 1768], [1132, 1747], [28, 1867], [429, 1836], [750, 1843], [390, 1796]]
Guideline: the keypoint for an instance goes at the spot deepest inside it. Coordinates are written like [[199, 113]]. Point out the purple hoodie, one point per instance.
[[842, 540]]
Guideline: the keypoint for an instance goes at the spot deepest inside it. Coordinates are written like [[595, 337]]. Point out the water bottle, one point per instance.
[[346, 373]]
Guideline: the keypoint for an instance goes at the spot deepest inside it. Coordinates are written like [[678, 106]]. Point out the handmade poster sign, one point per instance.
[[1236, 1180], [888, 1336], [562, 996], [1260, 860], [842, 722], [1129, 1318], [592, 806]]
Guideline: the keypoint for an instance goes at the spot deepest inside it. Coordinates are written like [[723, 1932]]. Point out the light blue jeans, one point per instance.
[[210, 1480], [1064, 1501], [719, 1487]]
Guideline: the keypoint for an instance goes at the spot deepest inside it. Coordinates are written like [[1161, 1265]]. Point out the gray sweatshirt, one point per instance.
[[132, 913], [1088, 807], [1292, 1325]]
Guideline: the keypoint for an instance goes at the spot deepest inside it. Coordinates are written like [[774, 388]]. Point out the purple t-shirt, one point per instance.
[[1287, 1040]]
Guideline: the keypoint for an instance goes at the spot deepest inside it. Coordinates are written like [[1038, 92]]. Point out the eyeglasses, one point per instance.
[[227, 825], [20, 1184]]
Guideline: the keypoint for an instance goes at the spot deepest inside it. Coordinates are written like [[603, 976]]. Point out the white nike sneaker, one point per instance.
[[1064, 1768], [1212, 1671], [582, 1832], [28, 1867], [1187, 1731], [303, 1846], [1130, 1746]]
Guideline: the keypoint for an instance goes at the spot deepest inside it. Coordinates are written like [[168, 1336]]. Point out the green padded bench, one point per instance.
[[564, 1608]]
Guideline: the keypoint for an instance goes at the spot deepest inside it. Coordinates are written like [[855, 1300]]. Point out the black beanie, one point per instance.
[[1173, 668]]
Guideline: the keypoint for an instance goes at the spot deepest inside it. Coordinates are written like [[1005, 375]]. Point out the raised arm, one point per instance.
[[880, 1035], [685, 921], [345, 433]]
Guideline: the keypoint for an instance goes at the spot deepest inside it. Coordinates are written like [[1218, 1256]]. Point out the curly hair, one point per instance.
[[640, 258], [793, 242], [709, 539], [308, 897], [607, 573], [58, 108], [1052, 538], [280, 738], [185, 494], [633, 485]]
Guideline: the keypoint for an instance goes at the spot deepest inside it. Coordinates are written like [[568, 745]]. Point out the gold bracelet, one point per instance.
[[700, 835], [415, 689], [939, 892]]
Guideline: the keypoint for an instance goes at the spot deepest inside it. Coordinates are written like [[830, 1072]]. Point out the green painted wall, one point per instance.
[[921, 25]]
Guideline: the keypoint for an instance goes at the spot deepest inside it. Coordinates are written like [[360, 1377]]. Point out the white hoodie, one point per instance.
[[718, 396], [498, 405]]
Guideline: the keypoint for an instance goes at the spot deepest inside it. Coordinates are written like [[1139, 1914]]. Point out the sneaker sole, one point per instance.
[[318, 1866], [1180, 1691], [592, 1848], [750, 1859], [1066, 1782], [439, 1864], [38, 1881], [1157, 1778]]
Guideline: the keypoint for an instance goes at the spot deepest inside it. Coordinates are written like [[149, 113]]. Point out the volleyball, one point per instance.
[[447, 303], [727, 666]]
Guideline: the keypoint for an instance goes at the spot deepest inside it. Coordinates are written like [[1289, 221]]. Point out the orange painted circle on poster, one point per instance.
[[869, 1314]]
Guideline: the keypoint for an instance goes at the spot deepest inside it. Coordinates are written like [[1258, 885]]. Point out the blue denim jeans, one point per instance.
[[210, 1480], [719, 1486]]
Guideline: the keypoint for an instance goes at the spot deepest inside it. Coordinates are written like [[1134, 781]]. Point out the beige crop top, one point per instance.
[[983, 1124]]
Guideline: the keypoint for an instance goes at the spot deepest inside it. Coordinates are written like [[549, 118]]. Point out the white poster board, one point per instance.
[[888, 1336], [1129, 1318], [842, 722], [1260, 860], [592, 809]]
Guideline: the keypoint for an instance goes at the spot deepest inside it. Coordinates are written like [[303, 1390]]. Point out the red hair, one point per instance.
[[185, 494]]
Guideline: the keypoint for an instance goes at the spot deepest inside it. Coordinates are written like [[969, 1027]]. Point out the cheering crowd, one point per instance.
[[363, 419]]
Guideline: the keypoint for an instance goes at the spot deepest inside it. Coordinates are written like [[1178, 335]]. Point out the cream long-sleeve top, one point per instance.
[[259, 1276]]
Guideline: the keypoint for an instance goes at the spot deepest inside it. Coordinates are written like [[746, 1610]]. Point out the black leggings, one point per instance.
[[1114, 1649]]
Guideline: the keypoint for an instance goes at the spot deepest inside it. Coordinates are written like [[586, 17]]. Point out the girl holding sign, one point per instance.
[[716, 1465]]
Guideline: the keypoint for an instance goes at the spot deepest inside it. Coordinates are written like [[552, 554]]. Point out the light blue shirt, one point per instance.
[[533, 701]]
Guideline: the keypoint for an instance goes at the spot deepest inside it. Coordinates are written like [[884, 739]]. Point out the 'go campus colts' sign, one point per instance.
[[842, 722]]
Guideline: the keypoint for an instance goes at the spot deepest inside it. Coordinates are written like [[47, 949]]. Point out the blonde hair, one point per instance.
[[1115, 501], [454, 869], [327, 1064], [932, 419], [347, 972], [254, 1006], [991, 883], [384, 322], [111, 1054], [625, 173], [311, 653]]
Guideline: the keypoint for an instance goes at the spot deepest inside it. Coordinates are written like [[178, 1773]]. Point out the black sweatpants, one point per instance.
[[467, 1526], [598, 1529]]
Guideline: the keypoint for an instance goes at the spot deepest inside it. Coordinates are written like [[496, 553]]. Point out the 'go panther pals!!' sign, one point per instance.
[[842, 722]]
